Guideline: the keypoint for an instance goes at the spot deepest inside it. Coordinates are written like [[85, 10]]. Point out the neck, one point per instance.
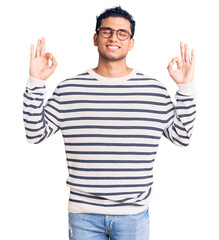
[[112, 69]]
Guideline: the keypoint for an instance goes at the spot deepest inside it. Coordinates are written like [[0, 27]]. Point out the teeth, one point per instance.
[[113, 47]]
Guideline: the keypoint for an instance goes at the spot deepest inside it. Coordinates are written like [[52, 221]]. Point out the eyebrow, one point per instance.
[[117, 29]]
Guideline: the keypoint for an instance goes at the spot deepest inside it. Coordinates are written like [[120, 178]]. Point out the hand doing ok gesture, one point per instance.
[[39, 63], [185, 66]]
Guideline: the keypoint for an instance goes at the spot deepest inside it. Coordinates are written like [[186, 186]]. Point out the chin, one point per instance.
[[112, 58]]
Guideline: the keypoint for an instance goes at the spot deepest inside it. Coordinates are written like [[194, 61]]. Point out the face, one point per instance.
[[113, 49]]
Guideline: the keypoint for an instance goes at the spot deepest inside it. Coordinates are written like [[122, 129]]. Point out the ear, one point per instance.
[[95, 38], [131, 44]]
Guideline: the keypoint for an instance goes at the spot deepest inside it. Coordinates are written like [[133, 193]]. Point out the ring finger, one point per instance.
[[38, 48], [187, 58]]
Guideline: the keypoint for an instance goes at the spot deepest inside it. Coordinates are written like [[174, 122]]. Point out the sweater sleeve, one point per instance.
[[179, 119], [40, 121]]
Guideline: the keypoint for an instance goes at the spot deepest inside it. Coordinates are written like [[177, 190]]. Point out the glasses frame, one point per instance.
[[113, 30]]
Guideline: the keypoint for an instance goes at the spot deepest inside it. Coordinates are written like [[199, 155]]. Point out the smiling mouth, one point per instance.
[[112, 47]]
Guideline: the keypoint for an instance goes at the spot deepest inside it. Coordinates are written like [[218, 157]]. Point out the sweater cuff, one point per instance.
[[187, 89], [34, 82]]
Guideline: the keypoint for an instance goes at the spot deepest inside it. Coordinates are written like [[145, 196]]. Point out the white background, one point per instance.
[[33, 191]]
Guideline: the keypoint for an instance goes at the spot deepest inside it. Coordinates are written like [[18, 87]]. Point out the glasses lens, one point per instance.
[[106, 32], [123, 35]]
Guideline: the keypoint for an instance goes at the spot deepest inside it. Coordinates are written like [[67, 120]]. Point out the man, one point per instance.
[[111, 118]]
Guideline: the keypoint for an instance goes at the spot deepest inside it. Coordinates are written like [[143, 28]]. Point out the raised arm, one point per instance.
[[179, 120], [40, 121]]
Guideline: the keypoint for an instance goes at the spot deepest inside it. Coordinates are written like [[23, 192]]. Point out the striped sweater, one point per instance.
[[111, 129]]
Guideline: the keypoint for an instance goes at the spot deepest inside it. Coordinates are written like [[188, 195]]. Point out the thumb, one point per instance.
[[170, 68]]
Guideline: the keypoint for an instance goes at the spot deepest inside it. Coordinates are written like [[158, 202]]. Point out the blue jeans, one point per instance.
[[89, 226]]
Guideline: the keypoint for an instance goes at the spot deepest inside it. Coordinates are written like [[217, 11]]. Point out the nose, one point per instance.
[[114, 36]]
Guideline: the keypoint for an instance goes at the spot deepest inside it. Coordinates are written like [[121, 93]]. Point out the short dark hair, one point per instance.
[[115, 12]]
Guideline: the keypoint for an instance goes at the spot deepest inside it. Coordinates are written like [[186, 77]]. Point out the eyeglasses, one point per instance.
[[122, 34]]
